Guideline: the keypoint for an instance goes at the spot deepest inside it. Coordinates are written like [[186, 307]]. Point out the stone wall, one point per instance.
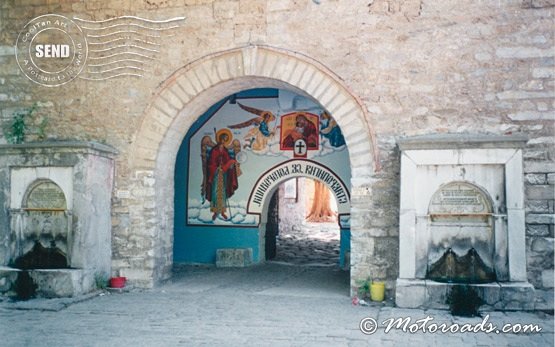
[[293, 212], [540, 191], [416, 67]]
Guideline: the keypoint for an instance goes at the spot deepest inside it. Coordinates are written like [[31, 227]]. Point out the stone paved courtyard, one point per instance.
[[266, 305], [311, 244]]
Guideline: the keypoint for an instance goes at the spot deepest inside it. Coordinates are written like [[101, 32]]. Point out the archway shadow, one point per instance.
[[268, 279]]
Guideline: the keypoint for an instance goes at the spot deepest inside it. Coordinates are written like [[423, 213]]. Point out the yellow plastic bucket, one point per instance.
[[377, 291]]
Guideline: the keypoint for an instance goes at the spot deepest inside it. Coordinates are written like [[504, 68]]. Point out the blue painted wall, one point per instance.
[[344, 245], [198, 244]]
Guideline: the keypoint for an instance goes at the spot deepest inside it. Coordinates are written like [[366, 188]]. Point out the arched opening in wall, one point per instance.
[[234, 156], [175, 109], [303, 226]]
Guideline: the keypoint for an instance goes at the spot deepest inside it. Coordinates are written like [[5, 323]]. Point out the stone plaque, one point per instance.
[[459, 198], [46, 195]]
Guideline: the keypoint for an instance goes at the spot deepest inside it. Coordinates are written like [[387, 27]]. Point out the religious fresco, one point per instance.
[[220, 170], [299, 133], [258, 136], [330, 130], [245, 137]]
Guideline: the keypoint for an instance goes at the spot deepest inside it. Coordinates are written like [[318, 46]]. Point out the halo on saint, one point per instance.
[[226, 132]]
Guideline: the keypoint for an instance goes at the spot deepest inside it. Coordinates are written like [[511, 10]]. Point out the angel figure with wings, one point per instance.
[[258, 136], [330, 130], [220, 170]]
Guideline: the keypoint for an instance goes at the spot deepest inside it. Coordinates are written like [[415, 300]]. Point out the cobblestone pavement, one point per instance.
[[312, 244], [266, 305]]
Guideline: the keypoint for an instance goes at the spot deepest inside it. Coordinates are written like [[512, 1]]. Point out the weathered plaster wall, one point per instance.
[[417, 66]]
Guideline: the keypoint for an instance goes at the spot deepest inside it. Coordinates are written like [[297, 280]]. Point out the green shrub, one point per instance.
[[101, 280], [16, 130]]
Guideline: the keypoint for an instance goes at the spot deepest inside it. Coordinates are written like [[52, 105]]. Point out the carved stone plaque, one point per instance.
[[46, 195], [459, 198]]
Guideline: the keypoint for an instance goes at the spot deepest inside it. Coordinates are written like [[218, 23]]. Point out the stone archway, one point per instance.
[[265, 187], [188, 93]]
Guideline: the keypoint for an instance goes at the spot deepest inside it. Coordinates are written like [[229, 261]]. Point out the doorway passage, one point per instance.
[[303, 225]]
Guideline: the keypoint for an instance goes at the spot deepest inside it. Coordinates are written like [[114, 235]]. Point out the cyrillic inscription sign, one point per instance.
[[459, 198], [46, 195]]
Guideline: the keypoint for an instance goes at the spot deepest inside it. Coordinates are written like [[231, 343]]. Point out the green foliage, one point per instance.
[[364, 287], [15, 131], [101, 280]]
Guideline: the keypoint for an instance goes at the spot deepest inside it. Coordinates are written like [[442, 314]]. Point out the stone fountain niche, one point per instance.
[[461, 243], [56, 232], [42, 228], [462, 221]]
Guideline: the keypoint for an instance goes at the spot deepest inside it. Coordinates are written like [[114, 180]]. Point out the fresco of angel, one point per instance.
[[330, 130], [220, 171], [259, 135]]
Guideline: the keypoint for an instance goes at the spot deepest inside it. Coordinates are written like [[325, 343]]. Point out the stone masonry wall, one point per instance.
[[293, 212], [417, 66]]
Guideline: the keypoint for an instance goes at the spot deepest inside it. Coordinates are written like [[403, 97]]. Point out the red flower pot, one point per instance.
[[117, 282]]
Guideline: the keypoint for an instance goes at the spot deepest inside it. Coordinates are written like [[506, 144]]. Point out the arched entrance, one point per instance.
[[264, 188], [187, 94], [303, 227], [221, 213]]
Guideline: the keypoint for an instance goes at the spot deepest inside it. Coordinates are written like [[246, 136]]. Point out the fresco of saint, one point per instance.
[[220, 171]]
